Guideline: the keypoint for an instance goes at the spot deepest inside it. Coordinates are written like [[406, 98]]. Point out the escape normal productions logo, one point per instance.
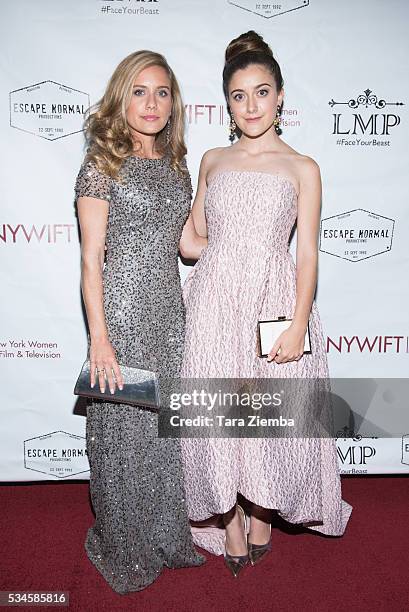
[[356, 235], [59, 454], [48, 109], [368, 121], [269, 9]]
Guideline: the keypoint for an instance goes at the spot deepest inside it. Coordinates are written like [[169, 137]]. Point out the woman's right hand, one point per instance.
[[104, 366]]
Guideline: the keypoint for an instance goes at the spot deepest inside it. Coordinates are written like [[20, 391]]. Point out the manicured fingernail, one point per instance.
[[112, 391], [92, 385], [121, 387]]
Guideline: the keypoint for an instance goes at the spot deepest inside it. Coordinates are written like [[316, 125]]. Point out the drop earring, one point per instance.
[[232, 130], [167, 136], [277, 121]]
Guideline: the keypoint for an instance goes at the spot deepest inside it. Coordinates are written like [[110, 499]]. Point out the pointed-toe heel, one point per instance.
[[236, 563], [257, 552]]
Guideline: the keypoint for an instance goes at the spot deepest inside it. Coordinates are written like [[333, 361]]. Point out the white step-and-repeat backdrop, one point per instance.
[[345, 69]]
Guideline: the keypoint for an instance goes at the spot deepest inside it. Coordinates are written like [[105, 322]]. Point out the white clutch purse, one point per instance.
[[268, 332]]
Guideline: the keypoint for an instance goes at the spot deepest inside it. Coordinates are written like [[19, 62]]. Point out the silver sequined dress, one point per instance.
[[136, 478]]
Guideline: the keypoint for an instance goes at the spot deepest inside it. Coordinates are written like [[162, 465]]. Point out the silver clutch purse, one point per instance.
[[141, 387]]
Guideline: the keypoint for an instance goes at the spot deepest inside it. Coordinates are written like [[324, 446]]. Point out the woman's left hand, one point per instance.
[[289, 346]]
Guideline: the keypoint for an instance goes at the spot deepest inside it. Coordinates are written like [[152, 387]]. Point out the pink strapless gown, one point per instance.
[[246, 273]]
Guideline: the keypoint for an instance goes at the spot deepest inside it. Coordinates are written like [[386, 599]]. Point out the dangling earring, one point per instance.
[[232, 130], [167, 136], [277, 121]]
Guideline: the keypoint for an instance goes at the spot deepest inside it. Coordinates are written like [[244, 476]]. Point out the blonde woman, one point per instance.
[[133, 193]]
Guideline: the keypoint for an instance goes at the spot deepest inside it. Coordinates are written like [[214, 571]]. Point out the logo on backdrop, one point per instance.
[[207, 114], [217, 114], [360, 124], [269, 9], [356, 235], [48, 109], [405, 449], [50, 233], [354, 458], [28, 348], [346, 432], [369, 344], [140, 8], [59, 454]]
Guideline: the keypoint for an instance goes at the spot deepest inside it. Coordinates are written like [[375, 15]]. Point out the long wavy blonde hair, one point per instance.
[[106, 128]]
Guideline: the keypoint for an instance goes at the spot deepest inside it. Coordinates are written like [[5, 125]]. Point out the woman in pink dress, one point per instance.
[[249, 196]]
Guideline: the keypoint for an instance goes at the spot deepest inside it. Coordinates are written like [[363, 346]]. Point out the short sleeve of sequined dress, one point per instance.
[[188, 180], [92, 183]]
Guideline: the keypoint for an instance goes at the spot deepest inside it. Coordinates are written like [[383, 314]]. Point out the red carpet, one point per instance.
[[43, 529]]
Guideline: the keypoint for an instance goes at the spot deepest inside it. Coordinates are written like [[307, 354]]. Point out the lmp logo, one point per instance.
[[364, 124], [352, 455], [269, 9], [58, 454], [356, 235], [356, 454], [48, 109]]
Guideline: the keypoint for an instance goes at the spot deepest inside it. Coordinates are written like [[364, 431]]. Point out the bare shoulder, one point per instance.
[[307, 167], [211, 160], [211, 157], [302, 166]]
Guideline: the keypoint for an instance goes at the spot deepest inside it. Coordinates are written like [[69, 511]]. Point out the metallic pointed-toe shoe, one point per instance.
[[235, 563], [257, 552]]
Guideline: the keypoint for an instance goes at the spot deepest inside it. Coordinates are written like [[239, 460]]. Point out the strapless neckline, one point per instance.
[[246, 172]]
